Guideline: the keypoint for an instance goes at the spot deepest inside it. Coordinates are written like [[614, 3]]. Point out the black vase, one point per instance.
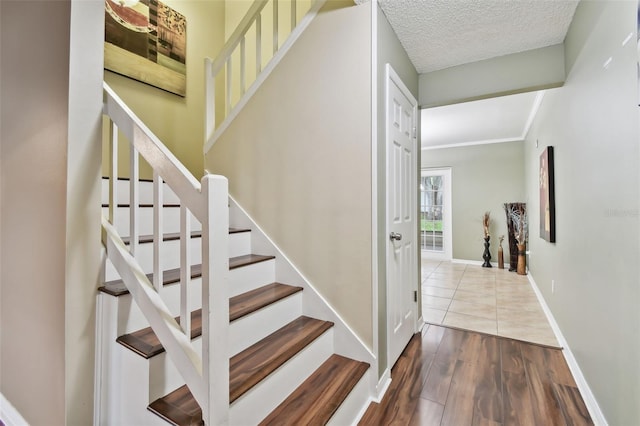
[[486, 255]]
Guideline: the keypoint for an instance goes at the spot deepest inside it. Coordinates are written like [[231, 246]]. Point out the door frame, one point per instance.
[[447, 238], [392, 77]]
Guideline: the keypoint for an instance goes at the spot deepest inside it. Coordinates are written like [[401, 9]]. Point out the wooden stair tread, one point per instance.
[[142, 205], [251, 301], [145, 343], [247, 259], [320, 395], [172, 236], [178, 408], [249, 367], [170, 276], [313, 402], [252, 365]]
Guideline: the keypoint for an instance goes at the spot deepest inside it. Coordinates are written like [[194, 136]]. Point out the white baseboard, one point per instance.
[[472, 262], [587, 395], [9, 415], [382, 386], [380, 390]]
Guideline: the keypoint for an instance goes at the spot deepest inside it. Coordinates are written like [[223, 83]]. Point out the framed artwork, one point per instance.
[[547, 197], [146, 40]]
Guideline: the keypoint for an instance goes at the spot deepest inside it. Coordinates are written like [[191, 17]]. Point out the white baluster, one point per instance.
[[258, 44], [294, 16], [242, 66], [275, 26], [134, 196], [157, 230], [210, 99], [229, 85], [185, 269], [113, 179]]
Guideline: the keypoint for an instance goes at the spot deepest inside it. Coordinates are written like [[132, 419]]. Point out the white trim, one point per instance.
[[473, 262], [382, 386], [380, 390], [275, 60], [375, 283], [463, 144], [587, 395], [532, 115], [9, 414]]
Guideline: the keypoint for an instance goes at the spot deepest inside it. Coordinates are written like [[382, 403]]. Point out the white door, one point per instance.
[[402, 228]]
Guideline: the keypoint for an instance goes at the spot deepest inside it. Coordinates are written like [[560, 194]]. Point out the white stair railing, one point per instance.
[[206, 373], [265, 28]]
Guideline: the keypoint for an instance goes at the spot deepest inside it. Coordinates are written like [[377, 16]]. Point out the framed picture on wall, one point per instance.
[[146, 40], [547, 197]]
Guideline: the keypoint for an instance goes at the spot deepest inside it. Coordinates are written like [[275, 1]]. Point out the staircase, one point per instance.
[[283, 368]]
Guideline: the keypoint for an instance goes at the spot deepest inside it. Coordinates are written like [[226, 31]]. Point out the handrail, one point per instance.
[[237, 40], [207, 200]]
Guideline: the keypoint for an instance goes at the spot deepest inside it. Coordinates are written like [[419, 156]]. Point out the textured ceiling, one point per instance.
[[439, 34]]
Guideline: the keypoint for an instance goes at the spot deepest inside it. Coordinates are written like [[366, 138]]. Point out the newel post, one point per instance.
[[215, 299]]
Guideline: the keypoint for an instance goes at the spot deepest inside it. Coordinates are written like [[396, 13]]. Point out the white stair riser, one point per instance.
[[130, 394], [163, 375], [170, 219], [145, 193], [351, 408], [244, 332], [251, 277], [239, 245], [263, 398], [251, 328], [170, 257], [130, 317]]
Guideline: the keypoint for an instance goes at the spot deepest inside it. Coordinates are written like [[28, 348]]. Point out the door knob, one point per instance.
[[395, 236]]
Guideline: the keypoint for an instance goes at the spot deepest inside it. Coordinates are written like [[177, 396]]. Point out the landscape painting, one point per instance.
[[147, 40]]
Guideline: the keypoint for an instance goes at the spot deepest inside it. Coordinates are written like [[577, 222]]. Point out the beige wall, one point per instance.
[[389, 50], [483, 178], [298, 159], [34, 104], [516, 73], [592, 122], [178, 121]]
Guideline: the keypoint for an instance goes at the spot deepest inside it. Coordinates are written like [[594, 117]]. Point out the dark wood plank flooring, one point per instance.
[[457, 378]]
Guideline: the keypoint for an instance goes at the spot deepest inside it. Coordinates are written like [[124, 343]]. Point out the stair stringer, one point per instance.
[[346, 341]]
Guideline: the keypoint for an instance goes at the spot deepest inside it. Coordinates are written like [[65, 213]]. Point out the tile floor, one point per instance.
[[489, 300]]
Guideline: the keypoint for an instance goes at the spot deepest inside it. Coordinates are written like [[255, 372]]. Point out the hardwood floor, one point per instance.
[[453, 377]]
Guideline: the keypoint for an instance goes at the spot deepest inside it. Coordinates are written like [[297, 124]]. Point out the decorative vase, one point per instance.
[[521, 269], [486, 255], [500, 258]]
